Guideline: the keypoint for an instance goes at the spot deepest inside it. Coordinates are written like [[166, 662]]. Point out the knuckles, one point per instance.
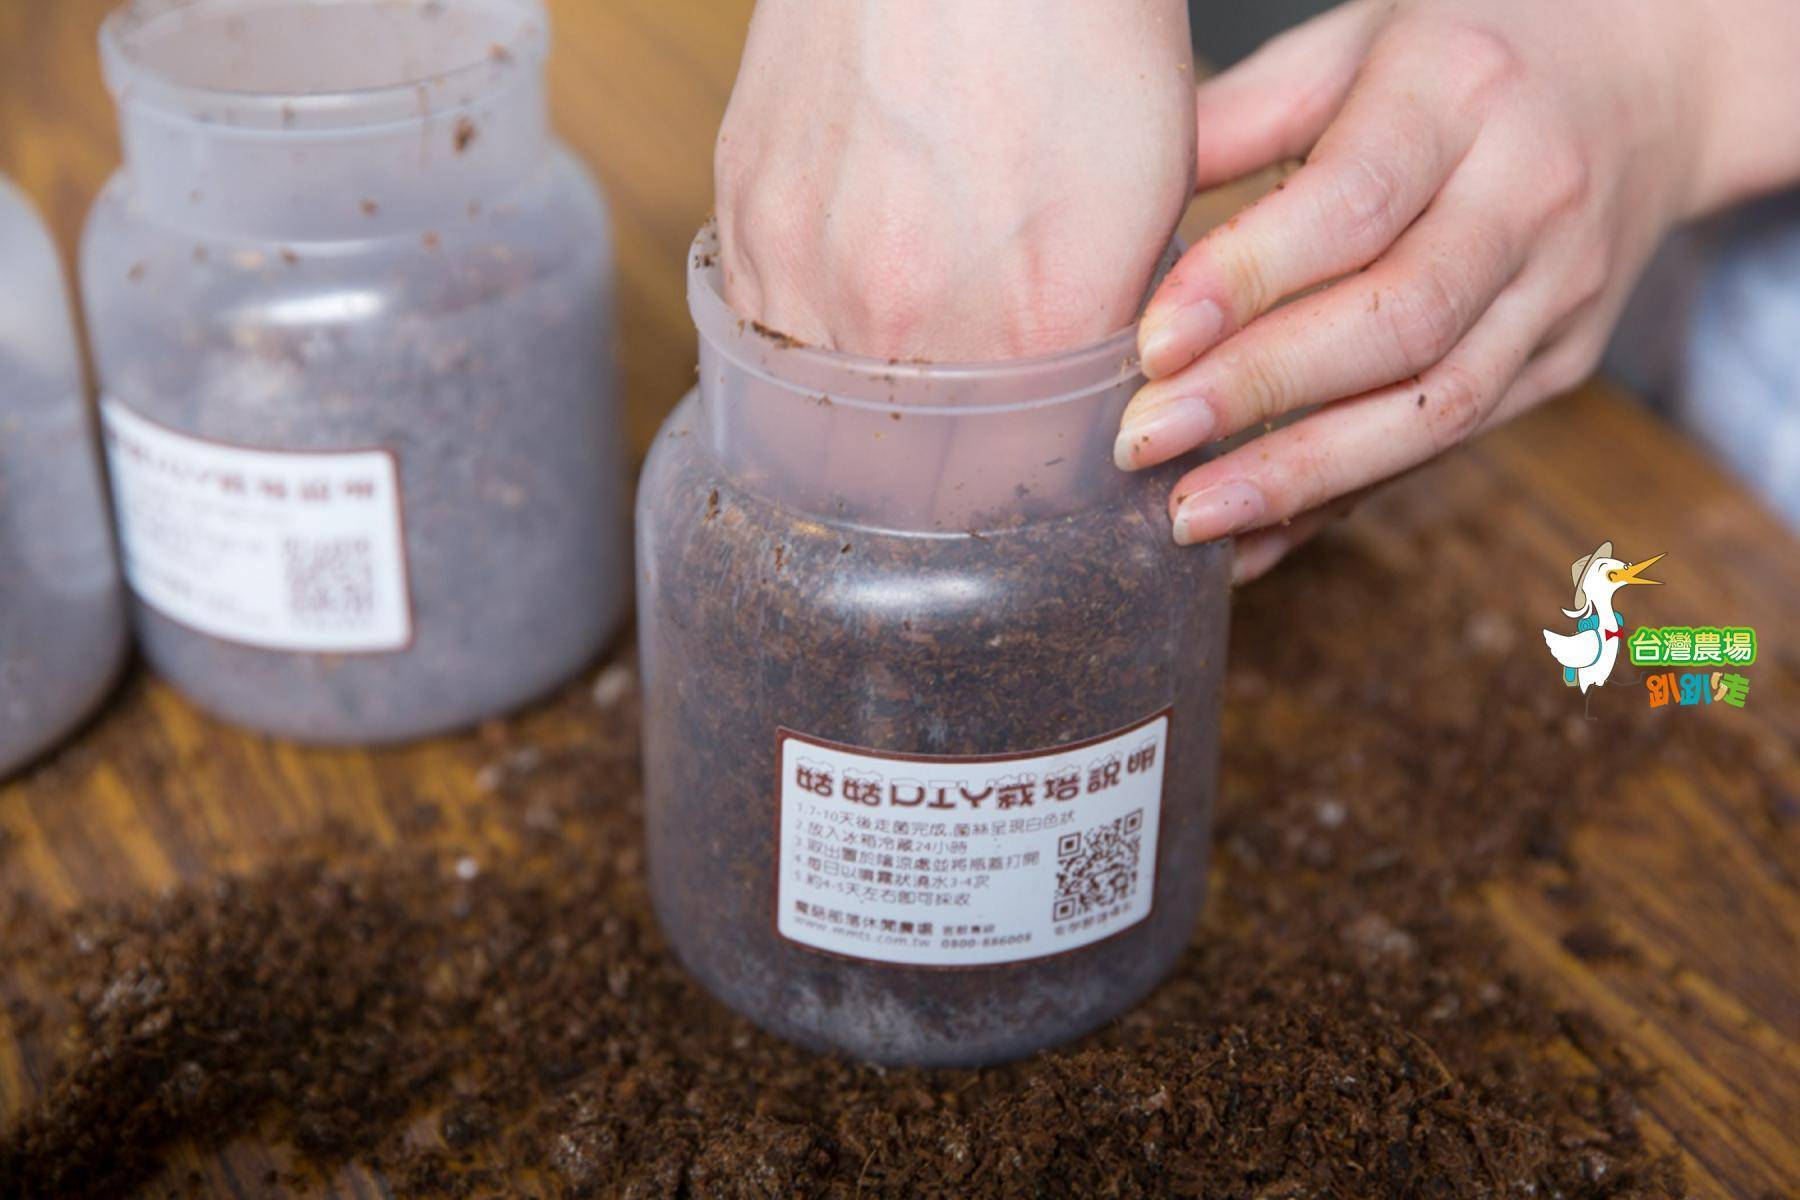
[[1239, 265], [769, 224], [1310, 473], [887, 280], [1565, 179], [1368, 198], [1590, 277], [1426, 318], [1484, 63], [1261, 387], [1488, 63], [1456, 401]]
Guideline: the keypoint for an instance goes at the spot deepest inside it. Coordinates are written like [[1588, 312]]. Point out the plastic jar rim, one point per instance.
[[869, 383], [282, 112]]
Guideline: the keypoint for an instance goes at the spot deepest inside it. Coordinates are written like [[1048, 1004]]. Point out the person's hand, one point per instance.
[[1483, 183], [945, 180]]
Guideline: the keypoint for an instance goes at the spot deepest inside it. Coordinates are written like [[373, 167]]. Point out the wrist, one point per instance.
[[1748, 142], [939, 35]]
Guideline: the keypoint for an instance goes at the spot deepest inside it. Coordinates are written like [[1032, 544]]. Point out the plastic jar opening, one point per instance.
[[291, 66], [948, 389], [931, 448]]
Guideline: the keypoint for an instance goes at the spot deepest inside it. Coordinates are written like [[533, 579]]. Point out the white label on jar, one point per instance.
[[936, 861], [300, 551]]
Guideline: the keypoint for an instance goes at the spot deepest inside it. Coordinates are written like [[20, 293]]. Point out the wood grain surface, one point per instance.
[[1698, 873]]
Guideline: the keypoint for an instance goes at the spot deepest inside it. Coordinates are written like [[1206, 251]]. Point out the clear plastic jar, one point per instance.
[[931, 695], [62, 614], [351, 308]]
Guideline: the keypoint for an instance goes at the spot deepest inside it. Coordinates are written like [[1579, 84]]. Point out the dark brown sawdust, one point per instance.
[[1092, 645], [1342, 1025], [781, 340]]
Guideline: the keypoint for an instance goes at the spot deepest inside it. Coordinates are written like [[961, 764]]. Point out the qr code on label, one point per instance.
[[330, 580], [1098, 867]]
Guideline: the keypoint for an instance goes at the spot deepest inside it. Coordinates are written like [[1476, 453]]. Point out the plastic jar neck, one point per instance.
[[242, 118], [918, 447]]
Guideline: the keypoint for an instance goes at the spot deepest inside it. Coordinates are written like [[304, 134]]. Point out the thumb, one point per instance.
[[1275, 104]]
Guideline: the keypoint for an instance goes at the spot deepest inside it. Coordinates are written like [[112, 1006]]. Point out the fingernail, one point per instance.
[[1171, 338], [1218, 511], [1159, 431]]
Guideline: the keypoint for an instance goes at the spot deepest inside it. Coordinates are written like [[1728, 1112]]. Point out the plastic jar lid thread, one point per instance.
[[245, 67], [922, 447], [924, 389]]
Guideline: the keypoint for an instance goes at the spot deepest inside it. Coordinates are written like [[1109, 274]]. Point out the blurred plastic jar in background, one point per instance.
[[351, 308], [931, 696], [62, 613]]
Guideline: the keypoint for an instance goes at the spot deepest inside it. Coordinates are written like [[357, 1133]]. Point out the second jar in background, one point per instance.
[[351, 312]]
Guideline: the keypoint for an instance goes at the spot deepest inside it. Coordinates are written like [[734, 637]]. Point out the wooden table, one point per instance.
[[1698, 874]]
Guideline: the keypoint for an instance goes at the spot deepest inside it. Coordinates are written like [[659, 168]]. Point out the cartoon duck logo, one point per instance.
[[1588, 655]]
